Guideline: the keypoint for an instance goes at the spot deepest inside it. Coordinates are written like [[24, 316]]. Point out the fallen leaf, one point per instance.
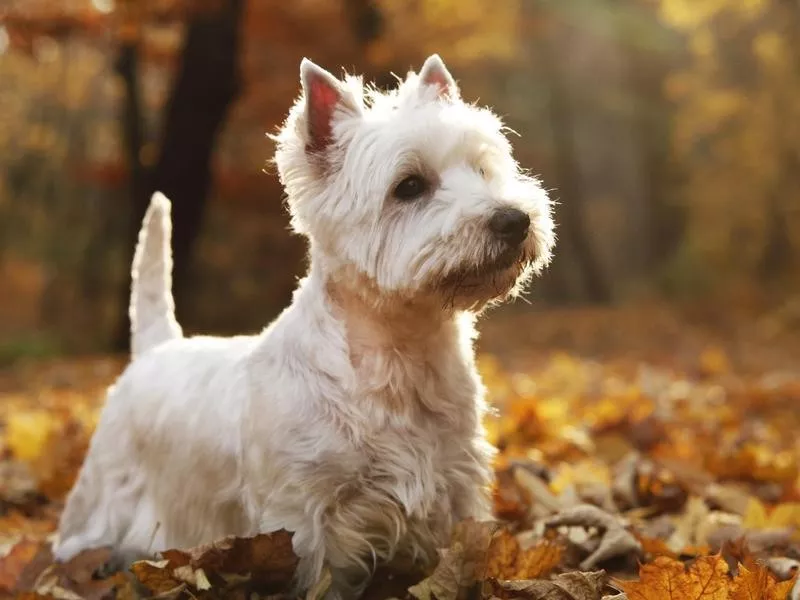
[[507, 560], [447, 579], [462, 566], [156, 577], [668, 579], [758, 584], [13, 563], [567, 586], [268, 559], [783, 567], [615, 540]]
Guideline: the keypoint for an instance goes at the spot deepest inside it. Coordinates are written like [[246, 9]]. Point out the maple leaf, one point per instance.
[[758, 584], [507, 560], [786, 515], [668, 579]]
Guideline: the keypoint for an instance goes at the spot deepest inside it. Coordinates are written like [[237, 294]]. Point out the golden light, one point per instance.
[[103, 6], [5, 41]]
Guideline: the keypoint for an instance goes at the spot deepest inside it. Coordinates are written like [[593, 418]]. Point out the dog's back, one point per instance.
[[166, 453], [175, 404]]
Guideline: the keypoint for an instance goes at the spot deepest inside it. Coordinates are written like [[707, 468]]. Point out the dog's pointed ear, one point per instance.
[[324, 95], [434, 72]]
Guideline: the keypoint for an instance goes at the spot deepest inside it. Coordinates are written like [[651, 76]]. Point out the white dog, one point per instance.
[[354, 419]]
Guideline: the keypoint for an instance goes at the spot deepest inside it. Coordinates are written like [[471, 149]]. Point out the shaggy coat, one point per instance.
[[354, 419]]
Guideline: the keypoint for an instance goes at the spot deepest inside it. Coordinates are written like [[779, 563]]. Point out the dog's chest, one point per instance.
[[421, 414]]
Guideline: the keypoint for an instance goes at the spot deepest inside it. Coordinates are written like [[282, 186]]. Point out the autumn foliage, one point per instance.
[[673, 478], [648, 451]]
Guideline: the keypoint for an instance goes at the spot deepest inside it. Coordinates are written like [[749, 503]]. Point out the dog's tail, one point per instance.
[[152, 309]]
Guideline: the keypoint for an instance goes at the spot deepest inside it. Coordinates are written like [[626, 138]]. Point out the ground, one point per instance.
[[645, 451]]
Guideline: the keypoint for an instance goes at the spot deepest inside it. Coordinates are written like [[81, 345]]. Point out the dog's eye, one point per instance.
[[411, 188], [482, 172]]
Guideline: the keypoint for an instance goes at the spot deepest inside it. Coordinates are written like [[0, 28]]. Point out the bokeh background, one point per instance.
[[668, 131]]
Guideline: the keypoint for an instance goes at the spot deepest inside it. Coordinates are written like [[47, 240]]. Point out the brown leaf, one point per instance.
[[446, 580], [567, 586], [269, 558], [13, 563], [265, 563], [157, 577], [461, 566]]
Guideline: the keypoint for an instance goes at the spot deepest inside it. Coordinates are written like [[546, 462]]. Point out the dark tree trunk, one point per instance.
[[367, 25], [206, 84]]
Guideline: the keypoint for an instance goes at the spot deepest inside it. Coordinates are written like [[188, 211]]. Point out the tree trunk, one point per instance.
[[777, 258], [569, 212], [207, 83], [648, 67]]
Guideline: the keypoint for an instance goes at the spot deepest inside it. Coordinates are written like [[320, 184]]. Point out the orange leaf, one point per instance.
[[13, 563], [507, 560], [758, 584], [668, 579]]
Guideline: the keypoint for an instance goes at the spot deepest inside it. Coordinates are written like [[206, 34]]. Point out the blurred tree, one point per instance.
[[576, 243], [737, 134], [650, 49], [207, 83]]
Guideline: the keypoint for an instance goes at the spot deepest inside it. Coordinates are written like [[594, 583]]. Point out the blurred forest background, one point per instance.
[[669, 131]]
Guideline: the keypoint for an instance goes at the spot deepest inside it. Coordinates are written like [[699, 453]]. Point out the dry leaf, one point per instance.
[[668, 579], [268, 559], [157, 577], [507, 560], [615, 540], [758, 584], [13, 563], [461, 566], [567, 586], [783, 567], [447, 580]]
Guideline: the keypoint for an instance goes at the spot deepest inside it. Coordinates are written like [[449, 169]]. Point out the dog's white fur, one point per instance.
[[354, 419]]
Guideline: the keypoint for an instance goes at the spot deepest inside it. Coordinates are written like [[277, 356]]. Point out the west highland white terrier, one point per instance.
[[354, 419]]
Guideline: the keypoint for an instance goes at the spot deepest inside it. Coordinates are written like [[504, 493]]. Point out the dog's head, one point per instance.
[[414, 189]]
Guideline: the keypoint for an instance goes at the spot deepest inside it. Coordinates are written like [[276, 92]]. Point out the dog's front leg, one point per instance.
[[470, 477]]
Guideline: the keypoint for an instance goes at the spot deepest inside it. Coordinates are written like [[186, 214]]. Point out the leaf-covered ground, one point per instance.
[[643, 455]]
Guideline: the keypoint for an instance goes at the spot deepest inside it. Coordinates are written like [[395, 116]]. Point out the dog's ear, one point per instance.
[[324, 95], [434, 72]]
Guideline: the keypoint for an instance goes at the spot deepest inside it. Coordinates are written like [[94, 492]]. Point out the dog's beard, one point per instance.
[[473, 286]]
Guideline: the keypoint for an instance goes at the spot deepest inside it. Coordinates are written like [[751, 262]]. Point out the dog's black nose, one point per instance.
[[510, 225]]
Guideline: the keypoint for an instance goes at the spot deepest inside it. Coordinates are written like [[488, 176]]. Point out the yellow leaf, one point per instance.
[[714, 361], [27, 433], [756, 515], [768, 47], [785, 515]]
